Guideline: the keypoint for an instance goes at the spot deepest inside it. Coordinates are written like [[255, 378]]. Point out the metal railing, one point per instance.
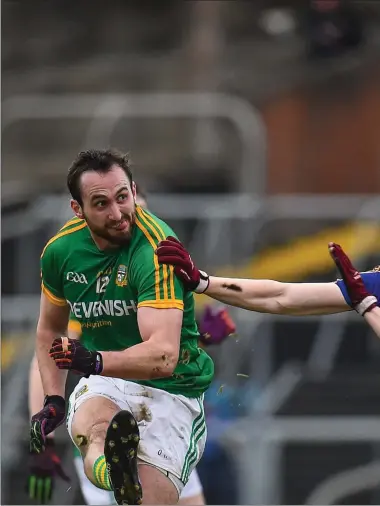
[[261, 443], [106, 110]]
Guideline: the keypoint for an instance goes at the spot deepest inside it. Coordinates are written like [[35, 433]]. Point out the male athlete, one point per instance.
[[137, 415], [358, 291], [214, 327]]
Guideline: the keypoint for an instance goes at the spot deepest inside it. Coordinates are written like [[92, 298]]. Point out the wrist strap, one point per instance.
[[366, 304], [204, 281], [98, 363]]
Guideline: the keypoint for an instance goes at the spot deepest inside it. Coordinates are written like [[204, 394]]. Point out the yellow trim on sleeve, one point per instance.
[[55, 300], [156, 265], [171, 277], [167, 270], [160, 235], [61, 234], [162, 304]]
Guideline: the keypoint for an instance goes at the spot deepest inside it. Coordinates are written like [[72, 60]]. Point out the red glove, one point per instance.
[[361, 300], [172, 252]]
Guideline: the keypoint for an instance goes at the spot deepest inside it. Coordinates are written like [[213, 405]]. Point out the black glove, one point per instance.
[[51, 416], [71, 354], [43, 469]]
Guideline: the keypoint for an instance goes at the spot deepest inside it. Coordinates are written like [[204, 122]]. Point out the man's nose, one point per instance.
[[115, 213]]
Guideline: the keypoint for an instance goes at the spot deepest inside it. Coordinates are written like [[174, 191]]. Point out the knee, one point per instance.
[[94, 435], [97, 432]]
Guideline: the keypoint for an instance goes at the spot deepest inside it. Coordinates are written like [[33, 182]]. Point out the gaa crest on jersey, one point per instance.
[[121, 276]]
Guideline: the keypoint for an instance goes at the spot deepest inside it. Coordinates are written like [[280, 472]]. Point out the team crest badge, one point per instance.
[[121, 276]]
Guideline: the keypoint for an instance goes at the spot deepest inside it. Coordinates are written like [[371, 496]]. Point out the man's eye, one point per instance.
[[100, 203], [122, 197]]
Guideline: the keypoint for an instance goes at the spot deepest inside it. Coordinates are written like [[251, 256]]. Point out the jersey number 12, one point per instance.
[[101, 284]]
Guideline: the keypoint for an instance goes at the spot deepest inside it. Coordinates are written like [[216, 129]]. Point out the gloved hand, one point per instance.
[[171, 251], [71, 354], [361, 300], [43, 469], [215, 325], [51, 416]]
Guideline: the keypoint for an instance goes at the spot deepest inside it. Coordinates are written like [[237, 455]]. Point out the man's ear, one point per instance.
[[77, 208], [133, 188]]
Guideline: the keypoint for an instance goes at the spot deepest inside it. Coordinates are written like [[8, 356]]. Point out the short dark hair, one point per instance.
[[98, 160]]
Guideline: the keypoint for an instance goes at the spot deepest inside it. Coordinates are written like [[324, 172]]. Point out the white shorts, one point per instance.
[[172, 427], [94, 495], [193, 487]]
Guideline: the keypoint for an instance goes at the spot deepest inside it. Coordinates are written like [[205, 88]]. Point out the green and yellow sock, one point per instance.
[[101, 473]]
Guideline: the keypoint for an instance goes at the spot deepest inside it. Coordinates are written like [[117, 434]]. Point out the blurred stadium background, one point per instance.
[[255, 128]]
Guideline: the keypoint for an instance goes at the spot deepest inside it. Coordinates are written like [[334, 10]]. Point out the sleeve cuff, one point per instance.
[[53, 299], [343, 289], [162, 304]]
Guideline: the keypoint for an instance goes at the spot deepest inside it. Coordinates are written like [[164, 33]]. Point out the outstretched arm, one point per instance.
[[267, 296], [260, 295]]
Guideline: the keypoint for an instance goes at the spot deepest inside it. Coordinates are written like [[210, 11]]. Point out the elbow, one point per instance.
[[166, 363]]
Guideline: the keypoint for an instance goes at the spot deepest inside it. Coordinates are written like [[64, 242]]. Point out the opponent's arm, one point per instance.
[[267, 296], [260, 295]]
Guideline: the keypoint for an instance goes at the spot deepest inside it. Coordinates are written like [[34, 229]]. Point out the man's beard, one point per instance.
[[106, 233]]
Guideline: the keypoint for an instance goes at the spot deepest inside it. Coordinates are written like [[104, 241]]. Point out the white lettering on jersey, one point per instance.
[[101, 308], [76, 277]]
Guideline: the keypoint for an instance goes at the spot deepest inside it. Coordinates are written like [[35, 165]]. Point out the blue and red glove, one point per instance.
[[172, 252], [215, 326], [43, 469], [72, 355], [361, 300]]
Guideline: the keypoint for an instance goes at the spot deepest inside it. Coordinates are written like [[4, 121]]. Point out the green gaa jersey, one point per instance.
[[105, 289]]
